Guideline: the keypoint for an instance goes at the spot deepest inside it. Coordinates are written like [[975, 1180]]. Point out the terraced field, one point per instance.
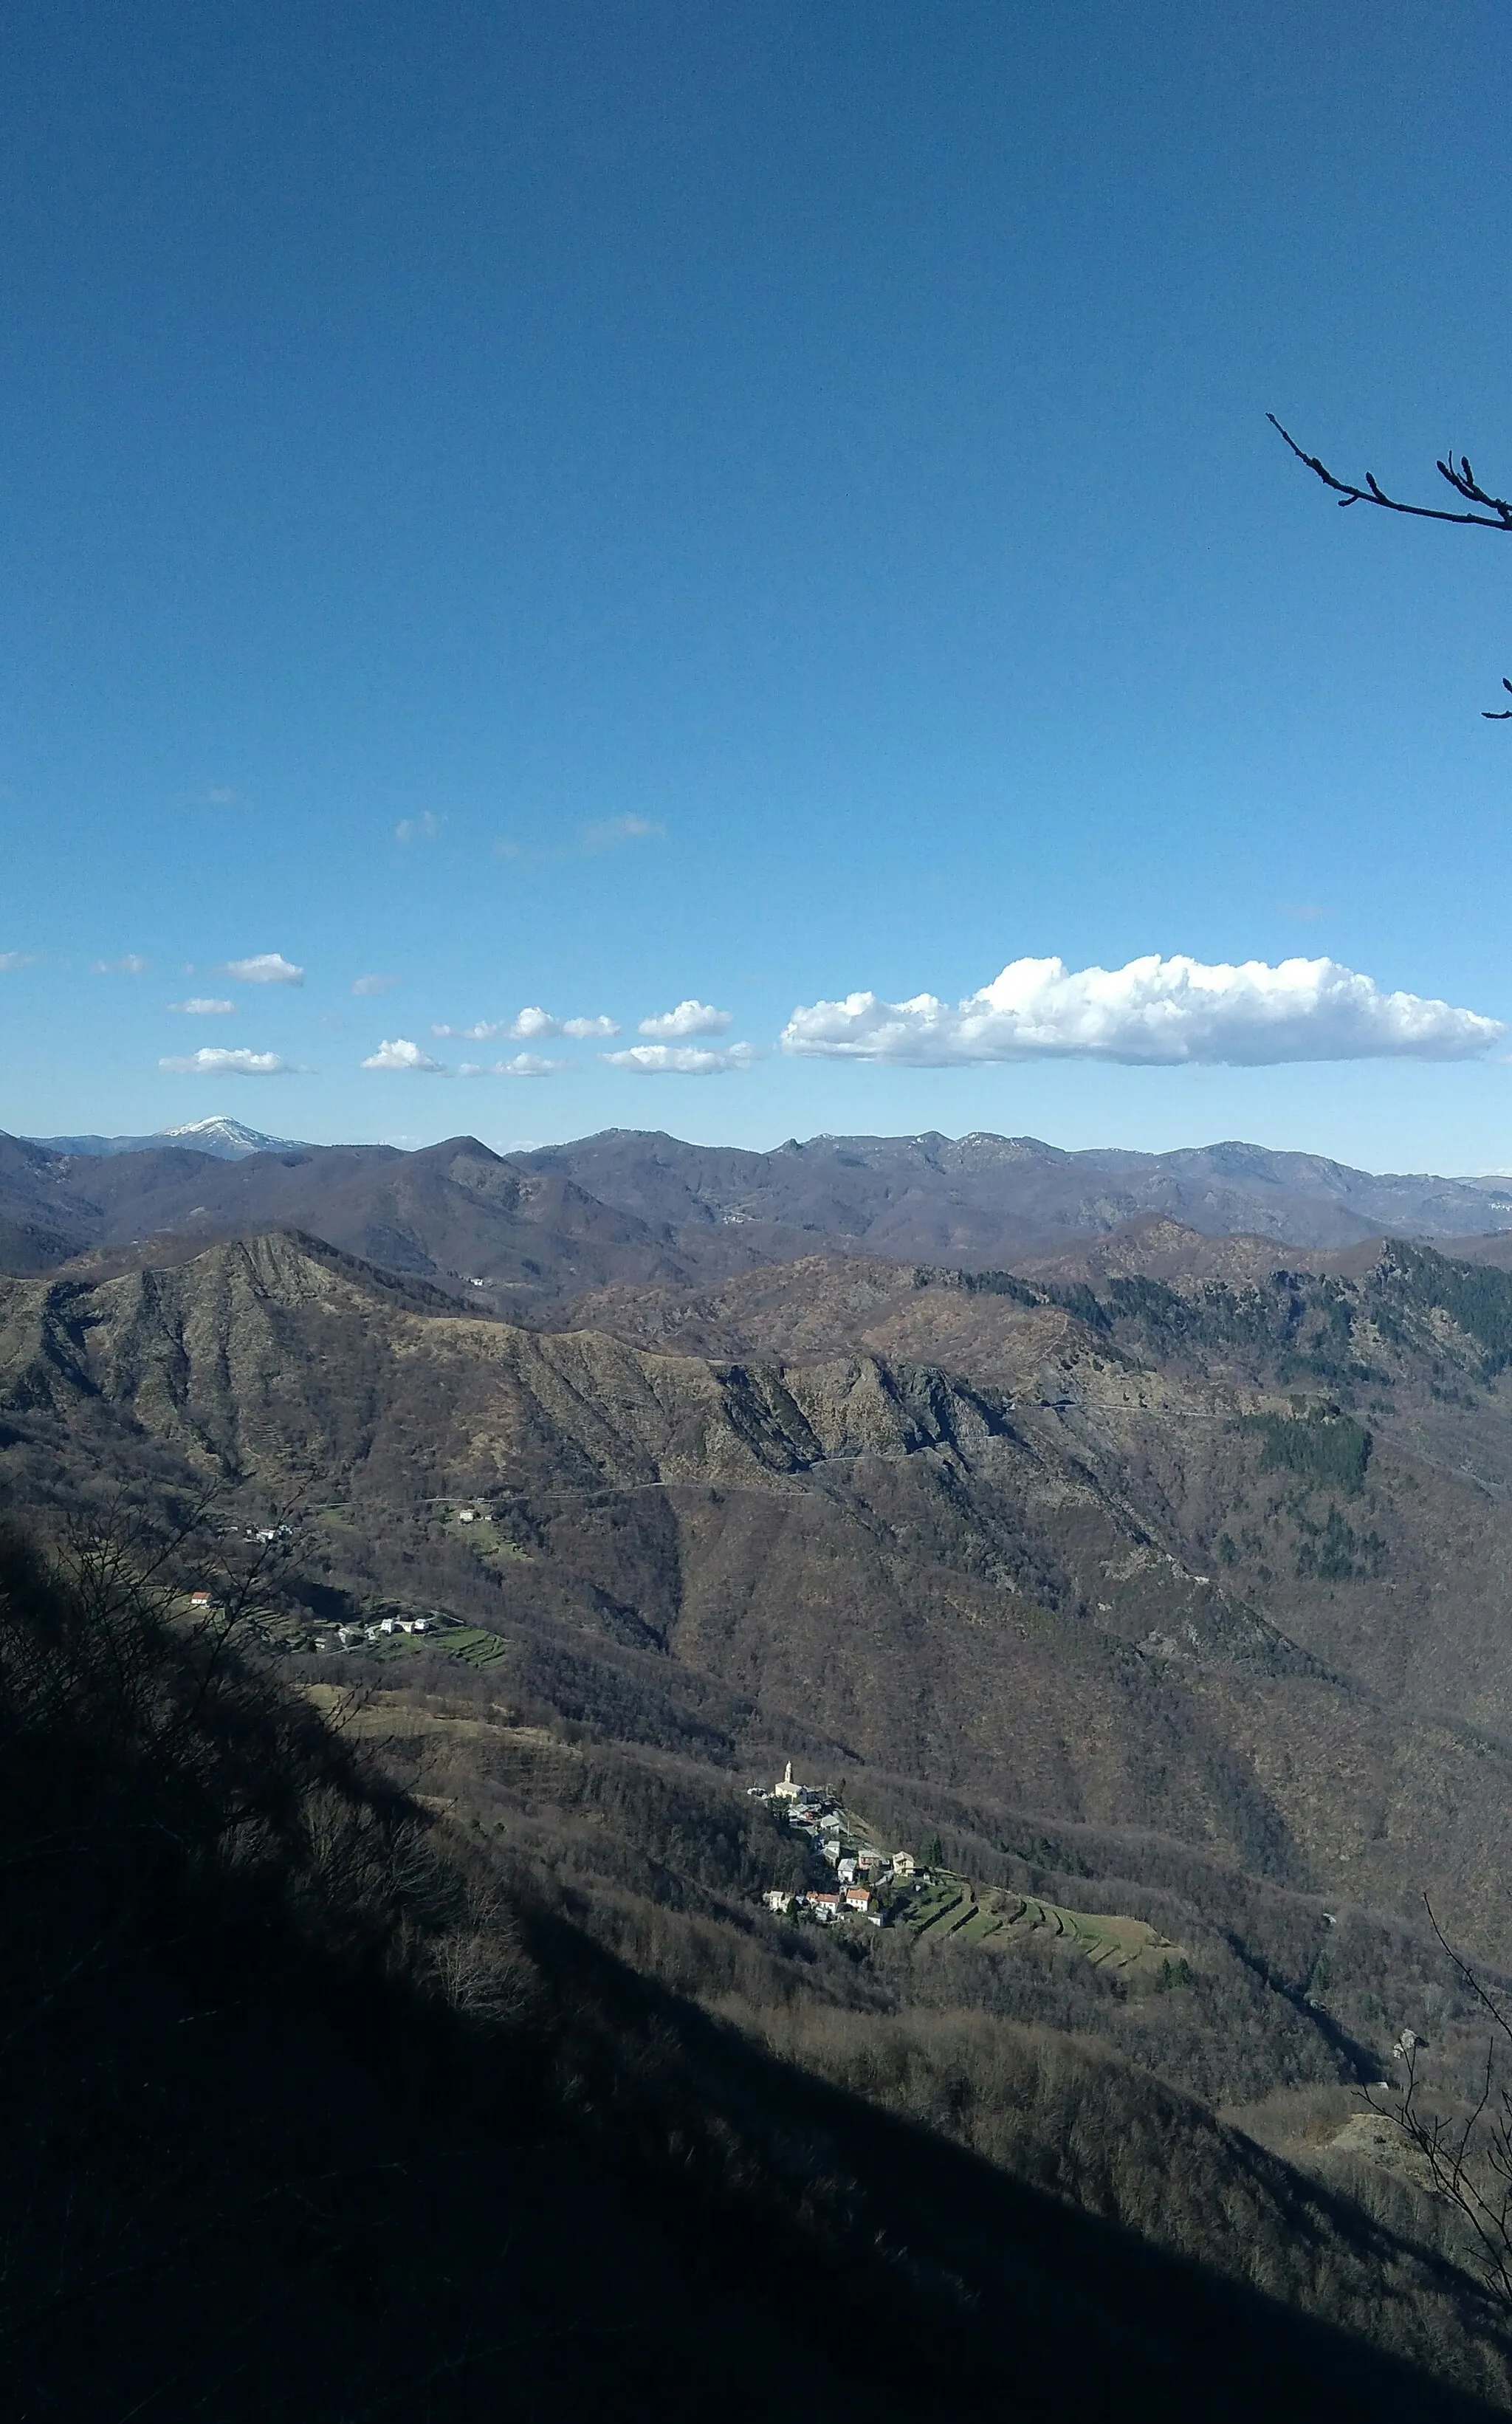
[[951, 1909], [471, 1643]]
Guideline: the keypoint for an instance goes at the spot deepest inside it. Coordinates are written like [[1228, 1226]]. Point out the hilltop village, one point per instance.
[[933, 1904], [862, 1872]]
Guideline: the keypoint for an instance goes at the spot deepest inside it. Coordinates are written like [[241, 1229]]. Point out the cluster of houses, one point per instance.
[[860, 1869], [353, 1637], [267, 1533]]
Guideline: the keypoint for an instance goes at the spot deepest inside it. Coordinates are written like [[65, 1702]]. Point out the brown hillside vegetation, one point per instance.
[[945, 1577], [1176, 1600]]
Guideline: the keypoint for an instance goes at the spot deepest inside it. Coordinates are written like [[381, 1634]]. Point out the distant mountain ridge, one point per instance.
[[967, 1198], [524, 1234], [226, 1139]]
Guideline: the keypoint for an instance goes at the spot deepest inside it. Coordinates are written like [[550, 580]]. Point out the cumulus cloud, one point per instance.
[[523, 1064], [680, 1060], [131, 964], [217, 1061], [611, 833], [10, 960], [375, 984], [1153, 1011], [422, 828], [533, 1025], [402, 1054], [688, 1019], [264, 967], [203, 1005]]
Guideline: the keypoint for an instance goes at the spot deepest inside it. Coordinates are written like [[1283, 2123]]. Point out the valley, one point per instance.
[[1149, 1593]]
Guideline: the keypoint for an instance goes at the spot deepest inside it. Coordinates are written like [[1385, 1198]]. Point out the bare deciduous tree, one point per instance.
[[1469, 2157]]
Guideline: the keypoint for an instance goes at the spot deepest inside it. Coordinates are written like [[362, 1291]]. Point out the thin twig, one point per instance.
[[1460, 478]]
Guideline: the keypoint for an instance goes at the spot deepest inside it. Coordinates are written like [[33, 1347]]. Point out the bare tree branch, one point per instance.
[[1460, 476], [1498, 516], [1469, 2163]]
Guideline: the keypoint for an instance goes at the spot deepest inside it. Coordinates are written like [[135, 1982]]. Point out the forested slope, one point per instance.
[[1131, 1563], [314, 2109], [1174, 1599]]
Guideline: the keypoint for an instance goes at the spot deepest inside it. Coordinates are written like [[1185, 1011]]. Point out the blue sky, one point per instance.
[[589, 508]]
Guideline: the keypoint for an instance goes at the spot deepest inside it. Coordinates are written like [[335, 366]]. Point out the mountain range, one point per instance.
[[1072, 1518], [224, 1139], [524, 1232]]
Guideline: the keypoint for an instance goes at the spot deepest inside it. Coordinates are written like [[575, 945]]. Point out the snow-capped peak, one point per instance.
[[227, 1139]]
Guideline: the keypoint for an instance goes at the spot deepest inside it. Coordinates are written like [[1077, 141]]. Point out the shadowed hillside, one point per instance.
[[314, 2109]]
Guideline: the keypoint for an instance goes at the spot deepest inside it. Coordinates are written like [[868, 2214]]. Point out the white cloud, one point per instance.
[[534, 1026], [688, 1019], [10, 960], [375, 984], [609, 833], [680, 1060], [216, 1061], [264, 967], [482, 1034], [523, 1064], [131, 964], [219, 795], [402, 1054], [203, 1006], [422, 828], [1153, 1011]]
